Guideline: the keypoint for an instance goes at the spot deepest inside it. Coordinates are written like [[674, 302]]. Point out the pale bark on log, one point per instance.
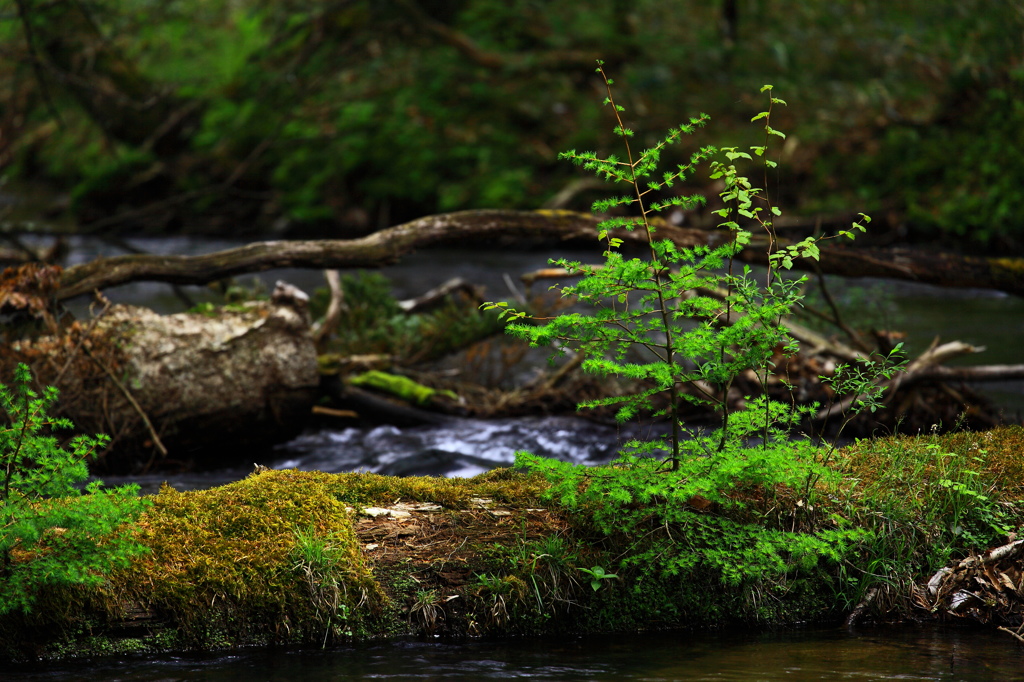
[[974, 373], [324, 328], [439, 294], [212, 389], [946, 269], [502, 228]]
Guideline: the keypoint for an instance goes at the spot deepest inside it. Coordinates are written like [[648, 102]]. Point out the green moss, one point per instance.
[[692, 601], [276, 558], [222, 560], [926, 502], [207, 309], [399, 386], [273, 557], [997, 456]]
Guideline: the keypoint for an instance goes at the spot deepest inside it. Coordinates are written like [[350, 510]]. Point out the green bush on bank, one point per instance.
[[754, 501], [53, 534], [683, 324]]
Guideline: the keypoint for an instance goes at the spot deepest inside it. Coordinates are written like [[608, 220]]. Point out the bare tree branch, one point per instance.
[[501, 229]]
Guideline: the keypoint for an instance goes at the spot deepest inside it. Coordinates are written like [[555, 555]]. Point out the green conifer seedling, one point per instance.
[[680, 324], [53, 533]]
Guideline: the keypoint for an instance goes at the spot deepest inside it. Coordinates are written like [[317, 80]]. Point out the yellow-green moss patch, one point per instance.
[[397, 385], [274, 557], [996, 456], [502, 485], [230, 558]]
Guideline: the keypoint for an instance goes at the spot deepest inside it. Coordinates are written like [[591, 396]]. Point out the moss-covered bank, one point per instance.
[[307, 557]]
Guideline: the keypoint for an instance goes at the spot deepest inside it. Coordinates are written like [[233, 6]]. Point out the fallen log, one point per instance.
[[192, 389], [973, 373], [503, 228], [945, 269]]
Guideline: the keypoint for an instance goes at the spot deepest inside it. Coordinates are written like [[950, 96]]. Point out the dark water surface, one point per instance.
[[909, 653]]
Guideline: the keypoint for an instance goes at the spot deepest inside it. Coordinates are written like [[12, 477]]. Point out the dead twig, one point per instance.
[[1016, 634], [134, 403], [85, 335], [334, 309]]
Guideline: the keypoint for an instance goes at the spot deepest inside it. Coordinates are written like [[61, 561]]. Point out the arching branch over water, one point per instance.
[[504, 229]]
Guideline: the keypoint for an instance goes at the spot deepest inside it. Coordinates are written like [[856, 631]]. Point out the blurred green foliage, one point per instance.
[[366, 113], [374, 323]]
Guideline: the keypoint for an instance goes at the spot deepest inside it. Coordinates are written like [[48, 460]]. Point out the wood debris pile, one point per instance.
[[987, 588]]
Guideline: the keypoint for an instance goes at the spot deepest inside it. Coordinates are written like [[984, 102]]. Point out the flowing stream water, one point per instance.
[[467, 447]]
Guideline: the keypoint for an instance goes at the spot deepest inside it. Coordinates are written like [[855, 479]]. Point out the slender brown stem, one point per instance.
[[850, 332], [663, 311]]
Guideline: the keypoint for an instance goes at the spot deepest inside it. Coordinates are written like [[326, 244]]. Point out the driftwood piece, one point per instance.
[[375, 250], [945, 269], [975, 373], [336, 306], [500, 228], [209, 389], [439, 294], [919, 367]]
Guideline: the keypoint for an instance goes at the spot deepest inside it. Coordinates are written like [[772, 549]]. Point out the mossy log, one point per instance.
[[193, 388], [315, 558]]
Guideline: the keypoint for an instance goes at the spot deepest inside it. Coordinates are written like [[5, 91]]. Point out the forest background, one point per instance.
[[250, 117]]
